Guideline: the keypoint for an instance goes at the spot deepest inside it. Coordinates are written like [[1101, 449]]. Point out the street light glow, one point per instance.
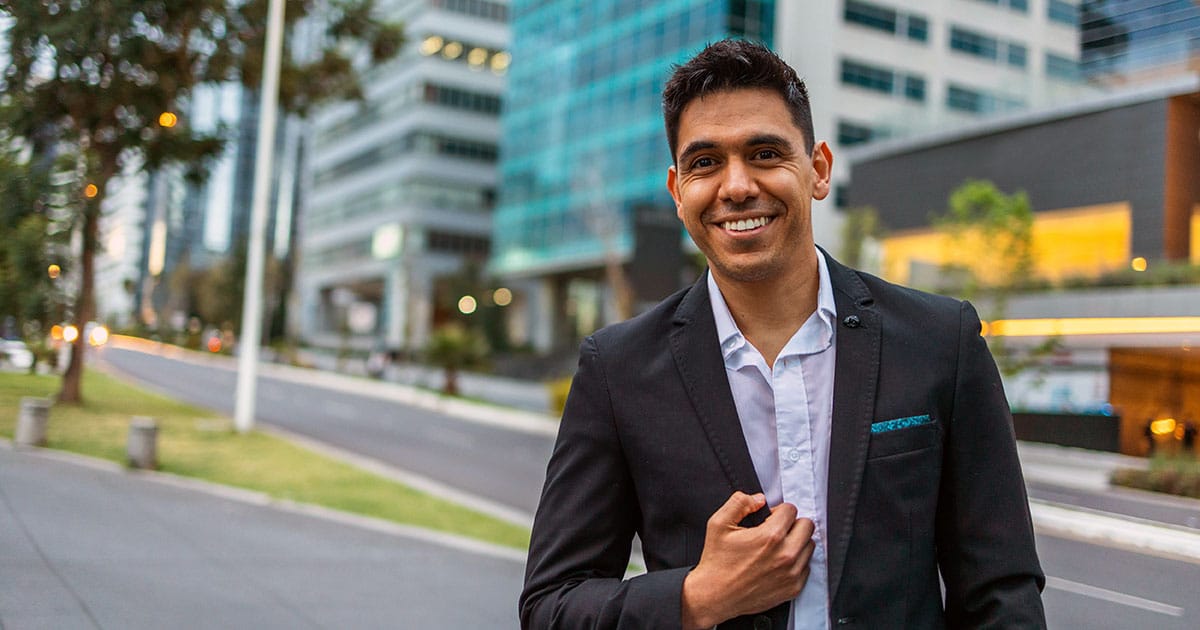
[[1138, 264], [53, 271], [70, 333], [467, 305], [167, 119], [502, 296], [1163, 426], [90, 191]]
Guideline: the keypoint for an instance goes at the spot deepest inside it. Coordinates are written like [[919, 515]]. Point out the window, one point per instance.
[[918, 28], [479, 8], [1062, 67], [914, 88], [1016, 5], [1016, 55], [973, 43], [462, 99], [979, 102], [870, 16], [964, 100], [1064, 12], [850, 134], [867, 77], [886, 19]]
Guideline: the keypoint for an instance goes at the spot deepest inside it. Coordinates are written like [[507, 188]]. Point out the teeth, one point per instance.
[[745, 224]]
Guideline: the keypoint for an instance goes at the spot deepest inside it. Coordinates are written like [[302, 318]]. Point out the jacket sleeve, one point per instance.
[[585, 522], [985, 539]]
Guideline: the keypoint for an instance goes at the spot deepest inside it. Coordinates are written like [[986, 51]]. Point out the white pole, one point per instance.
[[264, 156]]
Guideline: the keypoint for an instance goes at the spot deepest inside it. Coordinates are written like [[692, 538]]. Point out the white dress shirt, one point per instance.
[[786, 414]]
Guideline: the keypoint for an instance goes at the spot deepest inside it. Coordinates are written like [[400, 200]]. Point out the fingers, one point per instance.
[[738, 506]]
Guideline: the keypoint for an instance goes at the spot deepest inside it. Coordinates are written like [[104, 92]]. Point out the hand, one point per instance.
[[745, 570]]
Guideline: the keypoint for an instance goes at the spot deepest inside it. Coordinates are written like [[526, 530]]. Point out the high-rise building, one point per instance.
[[1138, 41], [584, 148], [401, 186], [585, 155]]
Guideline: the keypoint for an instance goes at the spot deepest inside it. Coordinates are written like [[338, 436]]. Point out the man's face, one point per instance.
[[743, 184]]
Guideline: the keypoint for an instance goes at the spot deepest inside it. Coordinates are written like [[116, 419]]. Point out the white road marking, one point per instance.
[[1096, 592]]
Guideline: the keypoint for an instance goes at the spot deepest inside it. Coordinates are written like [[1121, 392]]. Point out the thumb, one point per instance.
[[738, 506]]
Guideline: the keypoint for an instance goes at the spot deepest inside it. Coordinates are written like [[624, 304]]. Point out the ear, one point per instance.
[[822, 162], [673, 188]]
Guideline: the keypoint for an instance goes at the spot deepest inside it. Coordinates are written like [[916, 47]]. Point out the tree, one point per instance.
[[991, 235], [104, 80], [454, 347], [862, 224], [33, 238]]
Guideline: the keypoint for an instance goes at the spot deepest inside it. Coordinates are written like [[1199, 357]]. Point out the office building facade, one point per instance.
[[400, 187], [585, 153], [880, 69], [1137, 41]]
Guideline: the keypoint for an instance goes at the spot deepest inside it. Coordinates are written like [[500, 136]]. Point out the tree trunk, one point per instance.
[[85, 302], [72, 379], [450, 385]]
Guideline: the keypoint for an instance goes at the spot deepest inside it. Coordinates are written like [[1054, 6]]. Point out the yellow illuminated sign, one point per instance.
[[1092, 326]]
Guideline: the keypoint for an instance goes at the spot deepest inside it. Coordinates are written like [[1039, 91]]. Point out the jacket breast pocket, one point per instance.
[[906, 440]]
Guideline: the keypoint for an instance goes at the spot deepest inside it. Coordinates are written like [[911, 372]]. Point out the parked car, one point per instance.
[[14, 353]]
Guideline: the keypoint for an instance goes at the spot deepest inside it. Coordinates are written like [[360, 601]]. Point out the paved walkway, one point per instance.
[[85, 545]]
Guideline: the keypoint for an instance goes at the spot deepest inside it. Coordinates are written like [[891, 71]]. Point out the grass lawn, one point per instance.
[[194, 442], [1173, 474]]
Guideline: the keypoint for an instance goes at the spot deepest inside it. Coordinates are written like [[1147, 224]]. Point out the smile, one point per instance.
[[745, 224]]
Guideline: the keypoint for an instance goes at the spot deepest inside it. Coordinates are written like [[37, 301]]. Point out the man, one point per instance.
[[797, 444]]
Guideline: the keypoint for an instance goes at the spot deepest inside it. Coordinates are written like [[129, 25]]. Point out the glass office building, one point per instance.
[[1130, 39], [583, 142]]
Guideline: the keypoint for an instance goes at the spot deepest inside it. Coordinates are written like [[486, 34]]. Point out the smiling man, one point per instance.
[[796, 443]]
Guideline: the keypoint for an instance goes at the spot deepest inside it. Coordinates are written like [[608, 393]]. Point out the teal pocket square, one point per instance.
[[900, 423]]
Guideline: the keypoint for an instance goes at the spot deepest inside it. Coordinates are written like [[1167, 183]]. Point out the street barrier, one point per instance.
[[31, 422], [142, 445]]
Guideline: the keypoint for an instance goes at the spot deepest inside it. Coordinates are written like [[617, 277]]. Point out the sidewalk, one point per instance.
[[85, 545]]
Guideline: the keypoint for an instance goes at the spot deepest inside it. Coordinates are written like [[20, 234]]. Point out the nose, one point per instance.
[[738, 183]]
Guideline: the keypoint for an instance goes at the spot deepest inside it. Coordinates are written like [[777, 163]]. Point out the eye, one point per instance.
[[703, 162], [766, 154]]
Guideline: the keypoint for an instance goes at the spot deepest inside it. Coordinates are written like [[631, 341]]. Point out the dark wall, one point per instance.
[[1096, 433], [1101, 157]]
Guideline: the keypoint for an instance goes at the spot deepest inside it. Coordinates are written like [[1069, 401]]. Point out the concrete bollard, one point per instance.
[[142, 445], [31, 422]]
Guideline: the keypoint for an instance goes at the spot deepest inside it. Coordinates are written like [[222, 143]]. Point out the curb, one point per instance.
[[1121, 532]]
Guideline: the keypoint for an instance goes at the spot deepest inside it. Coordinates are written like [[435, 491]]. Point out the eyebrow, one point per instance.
[[765, 139], [695, 147]]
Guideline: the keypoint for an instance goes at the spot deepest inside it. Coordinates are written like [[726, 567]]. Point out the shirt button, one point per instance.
[[794, 455]]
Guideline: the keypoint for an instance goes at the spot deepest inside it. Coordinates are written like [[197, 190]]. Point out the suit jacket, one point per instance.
[[650, 443]]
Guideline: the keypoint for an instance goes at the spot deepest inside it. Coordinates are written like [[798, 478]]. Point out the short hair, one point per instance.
[[735, 64]]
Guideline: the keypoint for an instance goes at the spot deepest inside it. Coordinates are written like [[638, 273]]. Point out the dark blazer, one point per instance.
[[650, 444]]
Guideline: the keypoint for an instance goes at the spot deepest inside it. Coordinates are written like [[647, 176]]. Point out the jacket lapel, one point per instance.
[[698, 357], [856, 375]]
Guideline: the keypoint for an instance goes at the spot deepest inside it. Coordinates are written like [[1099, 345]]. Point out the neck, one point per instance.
[[769, 312]]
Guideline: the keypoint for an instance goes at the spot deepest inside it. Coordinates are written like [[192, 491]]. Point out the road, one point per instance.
[[1089, 586], [502, 465]]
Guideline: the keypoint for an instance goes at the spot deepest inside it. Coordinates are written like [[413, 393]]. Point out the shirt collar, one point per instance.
[[731, 337]]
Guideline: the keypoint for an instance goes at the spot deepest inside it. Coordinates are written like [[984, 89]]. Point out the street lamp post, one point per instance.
[[252, 302]]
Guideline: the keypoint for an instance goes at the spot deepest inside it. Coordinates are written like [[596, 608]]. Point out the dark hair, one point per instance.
[[735, 64]]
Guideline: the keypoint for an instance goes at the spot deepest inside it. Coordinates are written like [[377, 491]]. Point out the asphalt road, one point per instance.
[[498, 464], [1089, 586]]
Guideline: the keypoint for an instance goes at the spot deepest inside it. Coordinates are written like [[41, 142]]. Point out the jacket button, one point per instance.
[[762, 622], [851, 321]]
